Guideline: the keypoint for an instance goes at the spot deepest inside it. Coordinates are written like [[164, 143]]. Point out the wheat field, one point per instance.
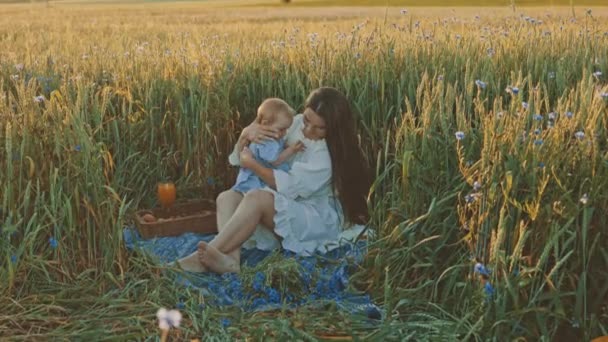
[[486, 128]]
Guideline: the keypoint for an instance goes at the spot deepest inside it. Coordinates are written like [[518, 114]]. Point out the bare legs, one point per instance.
[[237, 218], [222, 254], [226, 204]]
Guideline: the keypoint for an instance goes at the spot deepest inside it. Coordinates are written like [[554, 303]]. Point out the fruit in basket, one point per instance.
[[149, 218], [166, 194]]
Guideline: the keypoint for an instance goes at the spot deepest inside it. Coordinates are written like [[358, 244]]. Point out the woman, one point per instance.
[[303, 209]]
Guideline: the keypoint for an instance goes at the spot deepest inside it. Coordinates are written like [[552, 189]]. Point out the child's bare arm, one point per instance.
[[288, 152]]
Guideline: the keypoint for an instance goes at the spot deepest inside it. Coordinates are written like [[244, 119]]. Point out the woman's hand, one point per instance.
[[247, 159], [258, 133]]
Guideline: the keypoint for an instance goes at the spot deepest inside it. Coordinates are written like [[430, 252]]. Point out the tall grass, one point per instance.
[[131, 97]]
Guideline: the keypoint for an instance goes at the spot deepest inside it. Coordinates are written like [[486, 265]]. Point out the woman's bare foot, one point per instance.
[[215, 260], [191, 263]]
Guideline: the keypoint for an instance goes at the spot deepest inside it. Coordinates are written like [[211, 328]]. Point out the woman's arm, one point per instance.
[[266, 174], [302, 180]]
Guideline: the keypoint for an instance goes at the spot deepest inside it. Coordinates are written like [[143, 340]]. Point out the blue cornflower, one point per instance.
[[210, 181], [538, 142], [513, 90], [488, 289], [225, 322], [77, 148], [569, 115], [537, 131], [538, 117], [273, 295], [579, 135], [541, 165], [14, 259], [180, 305], [481, 84], [459, 135], [53, 242], [258, 281], [481, 269], [235, 284]]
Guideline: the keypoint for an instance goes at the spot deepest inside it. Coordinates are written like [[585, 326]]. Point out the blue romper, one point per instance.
[[265, 153]]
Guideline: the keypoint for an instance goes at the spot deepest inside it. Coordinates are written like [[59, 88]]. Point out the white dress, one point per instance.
[[308, 216]]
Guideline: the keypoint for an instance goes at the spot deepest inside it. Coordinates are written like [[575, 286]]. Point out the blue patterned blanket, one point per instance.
[[321, 278]]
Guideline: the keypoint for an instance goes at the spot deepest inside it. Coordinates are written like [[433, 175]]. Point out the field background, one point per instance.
[[101, 100], [325, 3]]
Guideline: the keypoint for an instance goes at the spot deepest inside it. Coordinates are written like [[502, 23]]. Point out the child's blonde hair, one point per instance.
[[271, 108]]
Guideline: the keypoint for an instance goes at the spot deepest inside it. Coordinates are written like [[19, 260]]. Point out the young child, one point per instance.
[[272, 153]]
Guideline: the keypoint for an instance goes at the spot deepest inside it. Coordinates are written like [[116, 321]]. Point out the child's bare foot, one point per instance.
[[191, 263], [215, 260]]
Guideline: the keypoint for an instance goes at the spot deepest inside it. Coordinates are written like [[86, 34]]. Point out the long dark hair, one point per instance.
[[350, 171]]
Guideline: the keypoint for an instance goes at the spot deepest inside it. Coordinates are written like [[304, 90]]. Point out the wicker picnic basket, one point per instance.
[[193, 216]]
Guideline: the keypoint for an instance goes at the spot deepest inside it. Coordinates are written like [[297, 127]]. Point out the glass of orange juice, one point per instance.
[[166, 194]]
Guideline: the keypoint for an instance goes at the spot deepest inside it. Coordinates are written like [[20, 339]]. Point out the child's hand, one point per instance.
[[297, 147], [246, 158]]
